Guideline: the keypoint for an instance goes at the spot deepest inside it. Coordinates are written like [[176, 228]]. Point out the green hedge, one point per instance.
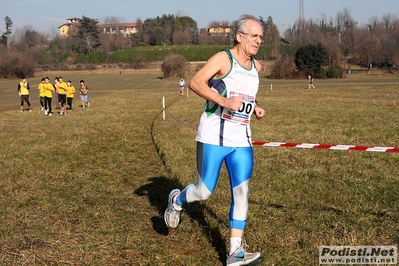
[[191, 53], [159, 53], [94, 58]]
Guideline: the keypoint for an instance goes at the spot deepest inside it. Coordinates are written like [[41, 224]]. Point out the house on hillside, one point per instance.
[[69, 28], [119, 28], [219, 30]]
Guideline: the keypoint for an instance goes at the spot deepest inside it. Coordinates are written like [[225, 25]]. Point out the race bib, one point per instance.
[[242, 115]]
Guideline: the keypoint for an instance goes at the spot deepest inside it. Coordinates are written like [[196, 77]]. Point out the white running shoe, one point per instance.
[[50, 114], [241, 256], [172, 215], [46, 112]]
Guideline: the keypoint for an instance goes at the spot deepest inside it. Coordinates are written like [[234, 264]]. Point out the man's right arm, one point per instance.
[[217, 66]]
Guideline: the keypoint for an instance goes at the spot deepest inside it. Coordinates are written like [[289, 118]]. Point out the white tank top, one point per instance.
[[219, 126]]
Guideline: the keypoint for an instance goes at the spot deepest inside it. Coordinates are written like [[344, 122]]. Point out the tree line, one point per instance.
[[375, 42], [337, 42]]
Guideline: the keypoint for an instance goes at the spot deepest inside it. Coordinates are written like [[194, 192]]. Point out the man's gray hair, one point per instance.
[[240, 25]]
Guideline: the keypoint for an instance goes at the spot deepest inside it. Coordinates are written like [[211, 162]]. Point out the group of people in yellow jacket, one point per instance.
[[64, 92]]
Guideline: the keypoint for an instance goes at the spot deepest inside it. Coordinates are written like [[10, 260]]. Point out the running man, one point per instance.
[[61, 91], [48, 96], [70, 94], [23, 92], [228, 82], [182, 84], [56, 81], [311, 80], [41, 92]]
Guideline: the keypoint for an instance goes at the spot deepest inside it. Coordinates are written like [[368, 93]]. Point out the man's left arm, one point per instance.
[[258, 111]]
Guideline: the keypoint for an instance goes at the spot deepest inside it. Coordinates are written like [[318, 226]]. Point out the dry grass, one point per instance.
[[90, 188]]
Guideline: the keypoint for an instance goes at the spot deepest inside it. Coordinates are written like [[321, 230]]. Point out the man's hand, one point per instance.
[[259, 112], [234, 103]]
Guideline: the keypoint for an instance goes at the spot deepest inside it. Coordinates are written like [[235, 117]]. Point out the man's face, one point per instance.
[[252, 39]]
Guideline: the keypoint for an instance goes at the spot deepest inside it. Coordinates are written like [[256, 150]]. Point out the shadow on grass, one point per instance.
[[157, 191]]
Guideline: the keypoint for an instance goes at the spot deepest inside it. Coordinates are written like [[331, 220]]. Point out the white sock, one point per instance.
[[235, 242]]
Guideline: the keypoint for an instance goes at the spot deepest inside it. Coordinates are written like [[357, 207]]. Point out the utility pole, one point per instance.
[[301, 15]]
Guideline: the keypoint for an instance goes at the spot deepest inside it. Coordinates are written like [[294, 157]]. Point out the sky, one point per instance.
[[46, 16]]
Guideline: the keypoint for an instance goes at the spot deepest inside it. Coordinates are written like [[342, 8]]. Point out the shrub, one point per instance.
[[90, 67], [16, 64], [284, 68], [335, 72], [174, 66], [139, 64]]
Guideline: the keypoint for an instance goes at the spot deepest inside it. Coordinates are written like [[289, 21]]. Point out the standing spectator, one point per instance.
[[83, 92], [70, 94], [41, 92], [61, 90], [229, 82], [23, 92], [48, 96], [311, 80], [182, 84]]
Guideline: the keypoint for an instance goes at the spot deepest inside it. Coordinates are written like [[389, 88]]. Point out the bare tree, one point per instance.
[[113, 20], [215, 24], [367, 47], [203, 36], [30, 38]]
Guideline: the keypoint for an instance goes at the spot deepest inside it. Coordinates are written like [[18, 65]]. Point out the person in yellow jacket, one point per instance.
[[61, 90], [48, 96], [41, 92], [70, 93], [23, 92]]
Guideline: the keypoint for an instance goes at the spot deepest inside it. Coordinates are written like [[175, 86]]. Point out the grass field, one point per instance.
[[90, 188]]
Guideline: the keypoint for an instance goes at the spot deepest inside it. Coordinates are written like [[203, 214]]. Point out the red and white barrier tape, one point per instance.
[[181, 121], [325, 146], [306, 145], [330, 83]]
